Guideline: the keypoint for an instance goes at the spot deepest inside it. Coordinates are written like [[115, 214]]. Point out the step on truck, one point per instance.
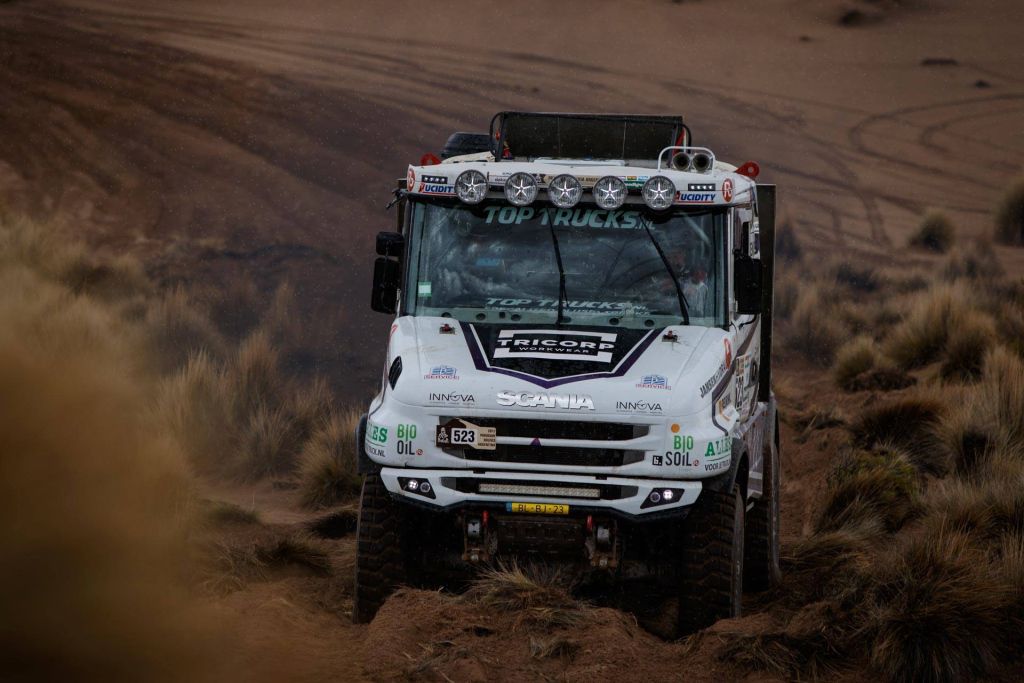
[[579, 367]]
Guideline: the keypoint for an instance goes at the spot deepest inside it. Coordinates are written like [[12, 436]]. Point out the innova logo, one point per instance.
[[530, 400], [637, 407]]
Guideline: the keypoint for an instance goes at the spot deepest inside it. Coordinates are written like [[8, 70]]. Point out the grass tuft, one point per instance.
[[871, 485], [936, 233], [327, 464], [967, 345], [908, 423], [922, 335], [813, 331]]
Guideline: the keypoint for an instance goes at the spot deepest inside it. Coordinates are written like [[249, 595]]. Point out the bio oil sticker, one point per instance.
[[423, 289]]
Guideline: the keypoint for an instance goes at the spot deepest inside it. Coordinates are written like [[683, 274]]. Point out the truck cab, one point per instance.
[[578, 370]]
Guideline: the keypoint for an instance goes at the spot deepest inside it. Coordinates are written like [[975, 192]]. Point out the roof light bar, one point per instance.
[[471, 186], [520, 189], [565, 191], [610, 192], [659, 193]]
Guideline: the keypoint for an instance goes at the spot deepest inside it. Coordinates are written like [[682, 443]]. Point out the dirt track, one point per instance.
[[259, 139]]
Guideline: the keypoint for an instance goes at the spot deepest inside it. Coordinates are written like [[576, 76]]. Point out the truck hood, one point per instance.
[[547, 369]]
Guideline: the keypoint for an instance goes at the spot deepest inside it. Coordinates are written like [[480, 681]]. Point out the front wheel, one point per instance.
[[711, 581], [380, 565]]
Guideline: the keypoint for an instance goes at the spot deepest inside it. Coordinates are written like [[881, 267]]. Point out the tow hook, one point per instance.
[[477, 545], [602, 543]]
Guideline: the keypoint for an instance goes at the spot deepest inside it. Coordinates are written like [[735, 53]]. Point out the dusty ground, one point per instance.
[[260, 139]]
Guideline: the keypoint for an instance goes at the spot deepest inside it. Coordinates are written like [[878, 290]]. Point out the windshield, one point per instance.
[[496, 262]]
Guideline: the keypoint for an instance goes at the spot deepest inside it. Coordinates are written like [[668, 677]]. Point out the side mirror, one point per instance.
[[391, 244], [747, 283], [387, 274]]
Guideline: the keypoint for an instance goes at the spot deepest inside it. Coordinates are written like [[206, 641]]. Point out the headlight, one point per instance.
[[609, 192], [659, 193], [471, 187], [564, 191], [520, 189]]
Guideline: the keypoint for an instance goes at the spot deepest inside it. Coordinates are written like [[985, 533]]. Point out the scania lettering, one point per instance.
[[578, 370]]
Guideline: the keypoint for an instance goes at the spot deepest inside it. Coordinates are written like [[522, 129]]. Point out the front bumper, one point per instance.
[[622, 495]]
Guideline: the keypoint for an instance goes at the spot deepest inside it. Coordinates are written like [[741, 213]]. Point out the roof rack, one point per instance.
[[525, 136]]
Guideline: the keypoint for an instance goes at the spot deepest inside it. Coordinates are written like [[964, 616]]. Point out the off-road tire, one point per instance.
[[711, 576], [380, 565], [761, 565]]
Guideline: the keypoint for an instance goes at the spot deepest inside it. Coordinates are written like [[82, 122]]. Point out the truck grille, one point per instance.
[[558, 455], [558, 429]]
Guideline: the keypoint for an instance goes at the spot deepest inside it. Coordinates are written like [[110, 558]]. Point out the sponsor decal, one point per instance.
[[696, 198], [555, 344], [675, 459], [377, 434], [549, 357], [718, 448], [681, 443], [375, 451], [701, 187], [724, 402], [461, 399], [653, 382], [410, 180], [462, 434], [442, 372], [435, 180], [706, 388], [716, 466], [526, 399], [548, 304], [405, 433], [728, 351], [727, 189], [434, 188], [423, 289], [638, 407], [580, 217]]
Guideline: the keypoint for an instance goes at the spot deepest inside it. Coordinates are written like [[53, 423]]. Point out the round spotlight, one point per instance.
[[610, 192], [564, 191], [655, 497], [471, 187], [412, 485], [668, 494], [520, 189], [659, 193], [425, 487], [701, 162], [681, 161]]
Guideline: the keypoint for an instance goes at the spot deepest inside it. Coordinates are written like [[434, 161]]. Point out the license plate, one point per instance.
[[538, 508]]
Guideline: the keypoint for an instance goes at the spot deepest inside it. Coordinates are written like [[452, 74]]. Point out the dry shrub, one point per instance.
[[786, 293], [978, 262], [327, 464], [939, 612], [178, 329], [828, 564], [807, 647], [854, 359], [986, 511], [936, 232], [222, 513], [857, 277], [871, 485], [1010, 216], [966, 440], [229, 566], [787, 245], [813, 331], [817, 417], [1010, 320], [967, 345], [909, 423], [1001, 393], [921, 337], [539, 594]]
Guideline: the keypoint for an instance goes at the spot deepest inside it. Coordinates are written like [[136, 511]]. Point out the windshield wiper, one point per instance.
[[683, 308], [562, 297]]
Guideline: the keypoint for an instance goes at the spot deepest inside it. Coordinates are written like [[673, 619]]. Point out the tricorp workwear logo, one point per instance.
[[555, 344]]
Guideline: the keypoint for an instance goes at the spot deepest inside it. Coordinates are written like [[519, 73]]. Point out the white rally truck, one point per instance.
[[579, 367]]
